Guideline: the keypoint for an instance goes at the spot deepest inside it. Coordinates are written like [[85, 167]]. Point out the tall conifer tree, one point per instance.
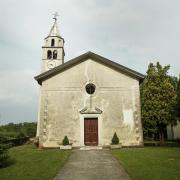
[[158, 99]]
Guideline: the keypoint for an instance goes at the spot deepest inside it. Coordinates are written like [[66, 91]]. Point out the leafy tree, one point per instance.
[[177, 108], [174, 81], [158, 100]]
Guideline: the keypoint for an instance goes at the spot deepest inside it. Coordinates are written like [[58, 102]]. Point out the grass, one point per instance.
[[31, 163], [151, 163]]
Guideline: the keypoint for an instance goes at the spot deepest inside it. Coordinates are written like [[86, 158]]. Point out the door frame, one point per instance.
[[100, 130], [96, 119]]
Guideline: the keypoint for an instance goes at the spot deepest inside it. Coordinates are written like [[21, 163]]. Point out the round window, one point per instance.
[[90, 88]]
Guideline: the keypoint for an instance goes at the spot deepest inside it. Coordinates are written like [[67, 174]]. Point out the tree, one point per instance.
[[115, 139], [25, 129], [65, 141], [158, 100], [174, 81], [177, 108], [3, 152]]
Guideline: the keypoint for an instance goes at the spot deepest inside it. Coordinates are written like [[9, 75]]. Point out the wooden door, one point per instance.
[[91, 131]]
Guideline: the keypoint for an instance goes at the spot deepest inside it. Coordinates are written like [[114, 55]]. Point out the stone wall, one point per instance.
[[63, 97]]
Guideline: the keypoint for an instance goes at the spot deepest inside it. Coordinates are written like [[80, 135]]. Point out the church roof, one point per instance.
[[84, 57]]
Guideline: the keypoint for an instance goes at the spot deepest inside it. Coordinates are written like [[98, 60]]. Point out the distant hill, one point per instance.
[[12, 130]]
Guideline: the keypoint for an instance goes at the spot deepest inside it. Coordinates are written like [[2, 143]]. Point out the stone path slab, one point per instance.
[[92, 165]]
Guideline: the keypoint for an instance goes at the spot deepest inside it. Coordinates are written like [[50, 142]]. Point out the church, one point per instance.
[[87, 99]]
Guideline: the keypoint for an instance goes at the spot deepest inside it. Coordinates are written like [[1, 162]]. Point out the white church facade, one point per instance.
[[87, 99]]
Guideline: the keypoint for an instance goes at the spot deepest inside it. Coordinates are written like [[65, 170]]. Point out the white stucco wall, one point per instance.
[[64, 95]]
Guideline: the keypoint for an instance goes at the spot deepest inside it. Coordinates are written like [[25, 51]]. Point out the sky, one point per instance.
[[130, 32]]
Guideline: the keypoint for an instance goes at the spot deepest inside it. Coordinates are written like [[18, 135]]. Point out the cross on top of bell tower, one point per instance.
[[55, 30], [55, 16]]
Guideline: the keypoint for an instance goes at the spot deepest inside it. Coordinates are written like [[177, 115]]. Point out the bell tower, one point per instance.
[[53, 49]]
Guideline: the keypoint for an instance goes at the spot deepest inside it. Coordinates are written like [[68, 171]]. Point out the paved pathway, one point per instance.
[[92, 165]]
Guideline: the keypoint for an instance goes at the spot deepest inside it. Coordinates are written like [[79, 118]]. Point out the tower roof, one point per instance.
[[54, 30]]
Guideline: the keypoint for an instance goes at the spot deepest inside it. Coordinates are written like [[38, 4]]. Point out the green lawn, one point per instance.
[[150, 163], [31, 163]]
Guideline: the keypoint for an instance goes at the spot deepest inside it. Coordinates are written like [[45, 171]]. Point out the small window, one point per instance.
[[54, 54], [49, 54], [90, 88], [52, 42]]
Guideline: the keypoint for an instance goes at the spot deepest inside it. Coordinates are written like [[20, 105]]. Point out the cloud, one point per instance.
[[18, 96], [132, 33], [16, 88]]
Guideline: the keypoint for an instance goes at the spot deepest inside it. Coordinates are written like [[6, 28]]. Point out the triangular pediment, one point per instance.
[[85, 57], [87, 110]]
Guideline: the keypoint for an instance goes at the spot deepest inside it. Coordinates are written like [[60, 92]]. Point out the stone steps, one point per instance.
[[91, 148]]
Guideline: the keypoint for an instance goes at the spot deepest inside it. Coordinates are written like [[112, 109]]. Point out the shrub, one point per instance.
[[17, 141], [20, 135], [65, 141], [21, 130], [3, 152], [115, 139]]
